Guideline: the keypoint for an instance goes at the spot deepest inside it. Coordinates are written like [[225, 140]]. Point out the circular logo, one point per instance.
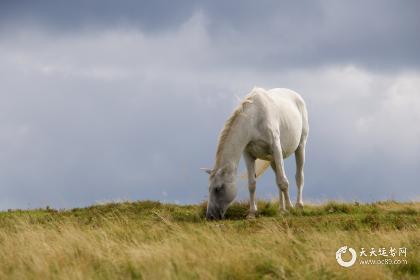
[[343, 250]]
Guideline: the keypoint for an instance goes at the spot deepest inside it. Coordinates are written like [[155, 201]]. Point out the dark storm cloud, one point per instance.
[[380, 35], [62, 15]]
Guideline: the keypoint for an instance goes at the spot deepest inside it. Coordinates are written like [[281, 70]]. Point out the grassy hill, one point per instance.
[[150, 240]]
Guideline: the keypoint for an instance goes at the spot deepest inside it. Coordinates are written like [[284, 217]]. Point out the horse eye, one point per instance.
[[219, 188]]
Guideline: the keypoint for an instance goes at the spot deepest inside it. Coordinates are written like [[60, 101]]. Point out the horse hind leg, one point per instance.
[[300, 161], [282, 206], [281, 179]]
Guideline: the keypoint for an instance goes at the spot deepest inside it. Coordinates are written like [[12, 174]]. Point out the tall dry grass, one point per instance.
[[149, 240]]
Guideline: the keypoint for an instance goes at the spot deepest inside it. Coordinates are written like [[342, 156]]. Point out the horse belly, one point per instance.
[[260, 149]]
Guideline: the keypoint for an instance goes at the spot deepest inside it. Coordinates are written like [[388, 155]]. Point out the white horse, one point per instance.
[[269, 125]]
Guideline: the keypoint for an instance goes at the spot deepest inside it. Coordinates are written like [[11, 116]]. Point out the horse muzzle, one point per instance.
[[214, 214]]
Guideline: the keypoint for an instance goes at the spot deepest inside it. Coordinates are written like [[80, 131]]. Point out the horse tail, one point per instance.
[[305, 124], [260, 167]]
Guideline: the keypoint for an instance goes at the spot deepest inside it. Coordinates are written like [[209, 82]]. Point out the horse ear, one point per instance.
[[207, 170]]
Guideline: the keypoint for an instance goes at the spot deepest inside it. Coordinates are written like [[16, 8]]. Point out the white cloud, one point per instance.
[[362, 112]]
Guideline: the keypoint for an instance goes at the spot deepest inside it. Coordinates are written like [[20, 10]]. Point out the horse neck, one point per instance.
[[233, 146]]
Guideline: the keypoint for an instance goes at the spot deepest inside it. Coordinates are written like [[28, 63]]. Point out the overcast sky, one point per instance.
[[124, 100]]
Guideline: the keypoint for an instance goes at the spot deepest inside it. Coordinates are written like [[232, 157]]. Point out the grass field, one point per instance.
[[150, 240]]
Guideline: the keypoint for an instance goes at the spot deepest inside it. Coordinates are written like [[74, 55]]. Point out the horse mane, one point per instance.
[[230, 123]]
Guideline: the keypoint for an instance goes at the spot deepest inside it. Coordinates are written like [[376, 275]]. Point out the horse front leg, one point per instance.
[[281, 179], [252, 183]]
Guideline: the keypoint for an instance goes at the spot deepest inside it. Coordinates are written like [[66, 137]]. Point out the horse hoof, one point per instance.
[[251, 216], [289, 207], [299, 205]]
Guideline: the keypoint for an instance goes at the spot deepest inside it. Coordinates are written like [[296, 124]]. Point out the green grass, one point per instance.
[[151, 240]]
